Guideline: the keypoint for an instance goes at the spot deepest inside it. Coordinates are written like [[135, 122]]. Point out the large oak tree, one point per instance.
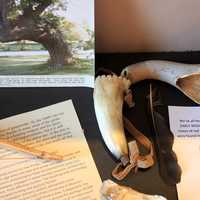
[[35, 20]]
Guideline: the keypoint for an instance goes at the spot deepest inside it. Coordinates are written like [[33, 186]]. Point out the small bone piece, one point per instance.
[[113, 191], [185, 77]]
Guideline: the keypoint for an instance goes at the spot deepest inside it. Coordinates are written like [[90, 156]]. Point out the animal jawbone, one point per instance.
[[185, 77]]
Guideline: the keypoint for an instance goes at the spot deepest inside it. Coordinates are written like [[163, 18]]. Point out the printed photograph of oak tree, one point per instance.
[[41, 37]]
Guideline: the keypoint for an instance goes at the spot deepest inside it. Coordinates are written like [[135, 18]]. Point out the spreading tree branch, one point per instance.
[[42, 6], [30, 10]]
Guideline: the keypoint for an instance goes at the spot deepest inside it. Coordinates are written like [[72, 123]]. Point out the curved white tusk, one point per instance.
[[109, 95], [185, 77]]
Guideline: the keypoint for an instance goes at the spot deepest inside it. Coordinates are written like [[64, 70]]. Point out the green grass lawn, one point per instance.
[[37, 65]]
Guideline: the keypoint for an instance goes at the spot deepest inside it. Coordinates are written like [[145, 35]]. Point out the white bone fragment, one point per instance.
[[113, 191], [185, 77]]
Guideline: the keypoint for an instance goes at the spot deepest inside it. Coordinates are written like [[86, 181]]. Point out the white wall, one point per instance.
[[147, 25]]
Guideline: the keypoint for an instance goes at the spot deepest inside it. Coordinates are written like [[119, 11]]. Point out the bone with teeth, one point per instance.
[[109, 94], [185, 77], [113, 191]]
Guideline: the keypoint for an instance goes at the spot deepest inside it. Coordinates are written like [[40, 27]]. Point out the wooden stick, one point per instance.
[[35, 152]]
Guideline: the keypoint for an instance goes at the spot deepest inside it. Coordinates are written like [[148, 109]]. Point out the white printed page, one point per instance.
[[185, 125], [70, 80], [53, 129]]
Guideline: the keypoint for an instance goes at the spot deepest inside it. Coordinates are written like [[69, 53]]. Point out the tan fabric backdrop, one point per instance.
[[147, 25]]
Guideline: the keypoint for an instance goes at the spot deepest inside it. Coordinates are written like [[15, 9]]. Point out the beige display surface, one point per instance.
[[185, 125], [188, 153], [53, 129], [147, 26]]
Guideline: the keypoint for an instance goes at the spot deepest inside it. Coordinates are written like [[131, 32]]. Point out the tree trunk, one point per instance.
[[4, 7], [29, 28], [58, 49]]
